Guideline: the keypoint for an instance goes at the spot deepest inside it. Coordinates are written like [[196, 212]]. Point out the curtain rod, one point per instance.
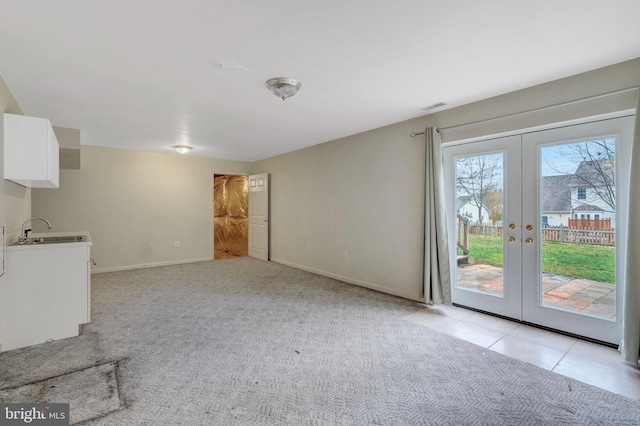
[[588, 98]]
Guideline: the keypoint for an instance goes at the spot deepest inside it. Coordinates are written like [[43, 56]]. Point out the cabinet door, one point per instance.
[[53, 159], [31, 152], [45, 301], [88, 285]]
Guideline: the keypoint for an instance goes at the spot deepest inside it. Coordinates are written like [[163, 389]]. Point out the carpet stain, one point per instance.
[[91, 392]]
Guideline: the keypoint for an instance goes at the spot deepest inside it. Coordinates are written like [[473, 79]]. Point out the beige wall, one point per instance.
[[364, 193], [129, 200], [15, 200]]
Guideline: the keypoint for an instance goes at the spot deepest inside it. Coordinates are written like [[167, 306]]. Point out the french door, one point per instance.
[[537, 225]]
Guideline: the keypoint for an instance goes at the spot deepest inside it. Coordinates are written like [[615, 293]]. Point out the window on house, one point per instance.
[[582, 193], [545, 221], [585, 216], [596, 216]]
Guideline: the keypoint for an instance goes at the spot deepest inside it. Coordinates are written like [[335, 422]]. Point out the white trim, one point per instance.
[[543, 127], [230, 174], [359, 283], [531, 111], [148, 265]]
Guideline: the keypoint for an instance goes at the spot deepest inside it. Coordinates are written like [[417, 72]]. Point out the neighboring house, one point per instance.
[[580, 195], [556, 200], [593, 191], [465, 208]]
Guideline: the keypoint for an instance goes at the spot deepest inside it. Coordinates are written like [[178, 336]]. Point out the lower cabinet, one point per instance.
[[45, 293]]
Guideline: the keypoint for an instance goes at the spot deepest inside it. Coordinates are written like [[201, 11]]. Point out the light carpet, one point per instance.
[[246, 342]]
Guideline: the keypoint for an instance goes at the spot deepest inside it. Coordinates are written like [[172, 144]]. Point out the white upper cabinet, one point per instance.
[[31, 152]]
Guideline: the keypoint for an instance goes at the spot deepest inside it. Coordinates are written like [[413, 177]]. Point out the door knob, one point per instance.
[[511, 239], [529, 227], [529, 241], [512, 226]]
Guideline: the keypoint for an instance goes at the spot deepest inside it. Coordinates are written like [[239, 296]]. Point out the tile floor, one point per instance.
[[588, 362]]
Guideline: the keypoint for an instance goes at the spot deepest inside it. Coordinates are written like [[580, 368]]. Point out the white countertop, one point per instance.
[[87, 241]]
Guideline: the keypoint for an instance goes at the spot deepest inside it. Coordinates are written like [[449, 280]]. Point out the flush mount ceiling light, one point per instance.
[[283, 87], [182, 149]]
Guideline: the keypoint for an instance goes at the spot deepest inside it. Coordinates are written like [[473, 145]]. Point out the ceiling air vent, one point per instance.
[[434, 106]]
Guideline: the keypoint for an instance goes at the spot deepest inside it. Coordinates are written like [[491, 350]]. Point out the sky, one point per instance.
[[554, 160]]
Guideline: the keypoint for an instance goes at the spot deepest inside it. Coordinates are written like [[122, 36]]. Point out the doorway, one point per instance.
[[259, 216], [230, 216], [540, 223]]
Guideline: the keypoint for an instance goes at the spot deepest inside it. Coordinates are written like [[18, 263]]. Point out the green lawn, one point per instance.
[[570, 260]]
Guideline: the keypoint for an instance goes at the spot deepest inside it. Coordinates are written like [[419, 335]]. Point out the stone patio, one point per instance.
[[571, 294]]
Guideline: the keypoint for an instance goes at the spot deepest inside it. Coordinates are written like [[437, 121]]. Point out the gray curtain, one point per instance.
[[631, 316], [437, 283]]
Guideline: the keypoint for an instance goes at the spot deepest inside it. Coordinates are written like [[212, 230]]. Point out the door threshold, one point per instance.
[[541, 327]]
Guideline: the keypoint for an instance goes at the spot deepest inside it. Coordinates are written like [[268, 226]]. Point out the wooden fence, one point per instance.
[[555, 233], [600, 224], [579, 235], [463, 234], [476, 228]]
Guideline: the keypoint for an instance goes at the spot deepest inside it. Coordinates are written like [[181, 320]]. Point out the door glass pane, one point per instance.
[[578, 200], [480, 208]]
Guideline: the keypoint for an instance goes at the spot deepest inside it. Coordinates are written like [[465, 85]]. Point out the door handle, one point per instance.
[[512, 226], [529, 241], [511, 239], [529, 227]]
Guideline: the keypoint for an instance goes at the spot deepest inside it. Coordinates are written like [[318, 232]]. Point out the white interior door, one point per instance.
[[540, 226], [259, 216]]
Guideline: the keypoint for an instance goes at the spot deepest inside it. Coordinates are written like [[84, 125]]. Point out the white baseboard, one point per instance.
[[148, 265], [338, 277], [371, 286]]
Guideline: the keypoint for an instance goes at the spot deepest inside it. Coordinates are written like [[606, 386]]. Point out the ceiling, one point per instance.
[[149, 74]]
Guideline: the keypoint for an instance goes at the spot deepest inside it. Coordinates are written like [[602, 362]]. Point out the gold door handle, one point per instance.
[[529, 241], [511, 239], [529, 227], [512, 226]]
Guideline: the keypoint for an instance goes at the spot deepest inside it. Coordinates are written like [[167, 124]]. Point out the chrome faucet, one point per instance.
[[24, 233]]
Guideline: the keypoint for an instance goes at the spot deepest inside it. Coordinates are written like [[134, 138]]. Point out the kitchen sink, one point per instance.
[[54, 240], [59, 239]]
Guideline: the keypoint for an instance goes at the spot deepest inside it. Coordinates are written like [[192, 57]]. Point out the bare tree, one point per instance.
[[477, 177], [494, 202], [595, 170]]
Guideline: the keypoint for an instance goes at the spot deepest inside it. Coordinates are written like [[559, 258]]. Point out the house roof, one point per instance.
[[588, 208], [461, 201], [594, 173], [556, 193]]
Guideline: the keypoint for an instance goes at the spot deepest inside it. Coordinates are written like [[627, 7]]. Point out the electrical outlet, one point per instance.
[[176, 243], [345, 255]]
